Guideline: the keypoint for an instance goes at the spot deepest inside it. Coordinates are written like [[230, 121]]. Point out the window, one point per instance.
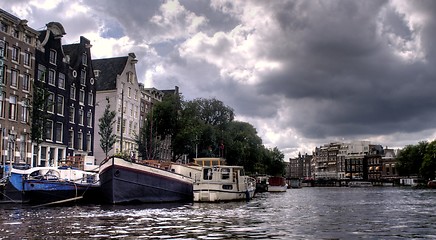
[[84, 59], [136, 94], [49, 130], [73, 92], [13, 107], [118, 125], [2, 48], [71, 139], [124, 126], [129, 92], [25, 111], [16, 34], [41, 73], [14, 78], [61, 83], [26, 82], [15, 54], [50, 103], [27, 59], [60, 105], [131, 127], [72, 113], [83, 77], [88, 142], [82, 96], [90, 99], [80, 140], [2, 104], [130, 77], [51, 77], [81, 116], [4, 27], [89, 119], [53, 56], [3, 75], [27, 39], [59, 132]]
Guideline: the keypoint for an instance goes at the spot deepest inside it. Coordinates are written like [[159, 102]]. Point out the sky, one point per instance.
[[303, 73]]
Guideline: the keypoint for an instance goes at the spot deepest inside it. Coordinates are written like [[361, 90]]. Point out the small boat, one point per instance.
[[360, 184], [262, 183], [50, 185], [431, 184], [277, 184], [124, 181], [223, 183]]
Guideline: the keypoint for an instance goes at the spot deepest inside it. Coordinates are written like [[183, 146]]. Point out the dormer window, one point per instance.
[[130, 77], [84, 59], [53, 56]]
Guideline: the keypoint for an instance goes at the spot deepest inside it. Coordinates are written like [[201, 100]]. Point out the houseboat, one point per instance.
[[277, 184], [223, 183], [123, 181]]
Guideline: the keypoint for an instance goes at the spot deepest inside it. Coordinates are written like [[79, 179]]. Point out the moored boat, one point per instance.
[[262, 183], [431, 184], [50, 185], [359, 184], [223, 183], [125, 181], [277, 184]]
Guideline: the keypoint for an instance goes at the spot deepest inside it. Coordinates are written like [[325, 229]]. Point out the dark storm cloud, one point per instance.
[[356, 82]]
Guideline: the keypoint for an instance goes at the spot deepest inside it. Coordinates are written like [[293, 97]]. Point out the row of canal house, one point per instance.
[[77, 88], [359, 160]]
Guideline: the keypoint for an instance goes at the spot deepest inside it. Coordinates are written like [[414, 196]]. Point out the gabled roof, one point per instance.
[[108, 69]]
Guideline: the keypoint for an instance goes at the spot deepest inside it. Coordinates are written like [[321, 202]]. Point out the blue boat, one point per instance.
[[125, 181], [50, 185]]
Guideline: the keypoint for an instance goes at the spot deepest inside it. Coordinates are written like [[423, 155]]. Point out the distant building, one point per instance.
[[388, 162], [300, 167], [373, 161], [355, 166]]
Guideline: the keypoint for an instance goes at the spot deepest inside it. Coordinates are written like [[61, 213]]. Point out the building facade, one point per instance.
[[52, 71], [17, 64], [116, 80], [80, 102]]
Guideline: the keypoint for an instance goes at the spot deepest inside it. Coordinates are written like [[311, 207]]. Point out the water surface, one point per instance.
[[307, 213]]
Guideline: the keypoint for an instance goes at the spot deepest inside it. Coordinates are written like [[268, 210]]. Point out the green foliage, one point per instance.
[[206, 128], [418, 160], [107, 135], [147, 140]]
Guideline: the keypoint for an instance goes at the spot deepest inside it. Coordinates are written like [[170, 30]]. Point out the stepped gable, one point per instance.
[[108, 70]]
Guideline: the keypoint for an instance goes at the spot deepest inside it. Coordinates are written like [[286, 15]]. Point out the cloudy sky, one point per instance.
[[304, 73]]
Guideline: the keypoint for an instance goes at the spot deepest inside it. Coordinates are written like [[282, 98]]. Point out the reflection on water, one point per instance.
[[308, 213]]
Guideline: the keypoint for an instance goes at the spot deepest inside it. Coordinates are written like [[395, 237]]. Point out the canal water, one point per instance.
[[307, 213]]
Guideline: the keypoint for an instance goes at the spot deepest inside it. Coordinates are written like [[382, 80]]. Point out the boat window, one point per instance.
[[207, 174], [228, 187], [225, 173]]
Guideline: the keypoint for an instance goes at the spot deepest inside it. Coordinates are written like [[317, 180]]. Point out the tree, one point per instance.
[[147, 140], [38, 112], [106, 122], [428, 166], [411, 158]]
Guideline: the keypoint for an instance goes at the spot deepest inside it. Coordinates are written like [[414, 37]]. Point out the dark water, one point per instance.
[[308, 213]]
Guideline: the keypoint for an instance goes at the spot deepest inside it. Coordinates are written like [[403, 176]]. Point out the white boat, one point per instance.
[[360, 184], [223, 183], [277, 184]]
